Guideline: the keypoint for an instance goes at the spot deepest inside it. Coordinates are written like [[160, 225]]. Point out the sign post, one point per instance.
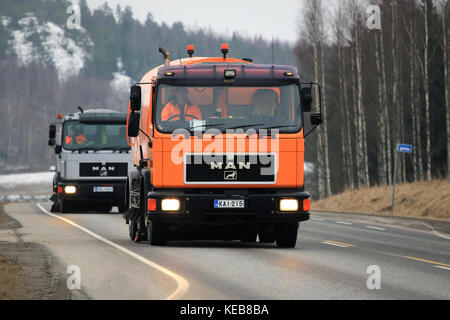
[[401, 148]]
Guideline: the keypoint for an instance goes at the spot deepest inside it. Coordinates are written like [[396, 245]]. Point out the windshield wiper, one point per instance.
[[112, 148], [206, 125], [246, 125], [275, 127]]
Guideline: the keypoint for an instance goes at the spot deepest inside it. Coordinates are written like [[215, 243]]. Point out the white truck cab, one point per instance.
[[92, 161]]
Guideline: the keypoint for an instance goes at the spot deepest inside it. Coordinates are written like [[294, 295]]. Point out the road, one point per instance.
[[330, 261]]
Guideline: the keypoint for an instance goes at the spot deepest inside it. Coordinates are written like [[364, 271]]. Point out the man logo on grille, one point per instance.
[[230, 175], [103, 172]]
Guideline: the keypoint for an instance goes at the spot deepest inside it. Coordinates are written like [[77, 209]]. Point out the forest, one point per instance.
[[381, 87], [112, 41]]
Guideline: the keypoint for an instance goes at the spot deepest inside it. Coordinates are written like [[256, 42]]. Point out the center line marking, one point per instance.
[[343, 222], [334, 244], [183, 284], [375, 228], [338, 244]]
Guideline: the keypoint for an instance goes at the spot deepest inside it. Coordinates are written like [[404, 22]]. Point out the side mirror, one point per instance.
[[316, 119], [133, 124], [52, 169], [51, 142], [51, 131], [135, 98], [307, 99], [58, 149]]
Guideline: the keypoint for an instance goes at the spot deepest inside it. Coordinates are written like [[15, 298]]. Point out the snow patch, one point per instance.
[[9, 181], [309, 167], [55, 46], [120, 82], [67, 57], [5, 21]]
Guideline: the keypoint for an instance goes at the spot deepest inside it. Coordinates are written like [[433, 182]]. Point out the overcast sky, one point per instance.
[[249, 17]]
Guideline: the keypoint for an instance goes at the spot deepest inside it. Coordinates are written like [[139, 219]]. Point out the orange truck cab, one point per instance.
[[218, 149]]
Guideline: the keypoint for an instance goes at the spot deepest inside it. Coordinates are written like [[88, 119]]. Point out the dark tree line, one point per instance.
[[32, 95], [381, 87]]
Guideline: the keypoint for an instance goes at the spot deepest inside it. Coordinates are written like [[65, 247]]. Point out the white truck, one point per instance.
[[92, 161]]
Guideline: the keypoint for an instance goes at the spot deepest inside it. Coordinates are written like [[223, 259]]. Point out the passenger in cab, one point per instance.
[[265, 103], [180, 108], [75, 136]]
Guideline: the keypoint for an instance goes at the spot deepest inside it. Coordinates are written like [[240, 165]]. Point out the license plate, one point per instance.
[[103, 189], [229, 203]]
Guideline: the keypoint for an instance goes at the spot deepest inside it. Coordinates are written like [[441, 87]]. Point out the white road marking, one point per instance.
[[315, 219], [335, 244], [183, 284], [375, 228], [442, 267], [440, 235], [343, 222]]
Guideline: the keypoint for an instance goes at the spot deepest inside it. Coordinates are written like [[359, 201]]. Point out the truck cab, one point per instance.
[[92, 161], [218, 148]]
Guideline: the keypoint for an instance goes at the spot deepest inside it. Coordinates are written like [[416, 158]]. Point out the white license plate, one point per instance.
[[103, 189], [229, 203]]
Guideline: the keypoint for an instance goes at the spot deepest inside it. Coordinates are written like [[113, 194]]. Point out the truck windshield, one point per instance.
[[78, 136], [228, 107]]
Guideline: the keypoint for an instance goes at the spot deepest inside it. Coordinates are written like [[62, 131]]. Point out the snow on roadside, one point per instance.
[[10, 181]]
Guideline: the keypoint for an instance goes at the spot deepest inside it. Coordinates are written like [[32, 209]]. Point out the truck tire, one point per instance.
[[65, 206], [287, 235], [132, 230], [249, 236], [157, 233], [122, 208], [267, 236]]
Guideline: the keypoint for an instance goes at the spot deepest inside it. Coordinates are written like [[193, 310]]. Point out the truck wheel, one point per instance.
[[64, 206], [157, 233], [122, 208], [132, 230], [267, 236], [287, 235], [249, 236]]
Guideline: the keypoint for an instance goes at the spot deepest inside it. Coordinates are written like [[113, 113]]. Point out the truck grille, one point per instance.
[[230, 169], [108, 169]]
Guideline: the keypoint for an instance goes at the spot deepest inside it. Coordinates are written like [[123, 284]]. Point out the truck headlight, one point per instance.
[[170, 205], [70, 189], [288, 205]]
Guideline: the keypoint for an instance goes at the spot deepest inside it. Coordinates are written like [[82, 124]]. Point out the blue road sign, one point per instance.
[[404, 148]]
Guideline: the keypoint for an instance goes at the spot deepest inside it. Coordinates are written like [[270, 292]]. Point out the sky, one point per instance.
[[266, 18]]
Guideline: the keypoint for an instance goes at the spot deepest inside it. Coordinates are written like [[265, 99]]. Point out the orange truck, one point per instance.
[[218, 149]]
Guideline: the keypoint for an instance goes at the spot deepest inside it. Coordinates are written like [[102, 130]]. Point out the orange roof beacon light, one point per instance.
[[224, 49], [190, 50], [60, 116]]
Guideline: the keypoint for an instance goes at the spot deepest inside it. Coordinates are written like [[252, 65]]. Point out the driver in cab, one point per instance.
[[75, 136], [265, 103], [180, 108]]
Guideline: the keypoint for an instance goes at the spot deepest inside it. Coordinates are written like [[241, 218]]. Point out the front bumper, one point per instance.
[[198, 209], [85, 191]]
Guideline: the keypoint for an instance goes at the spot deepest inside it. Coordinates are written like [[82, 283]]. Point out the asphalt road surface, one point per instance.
[[331, 260]]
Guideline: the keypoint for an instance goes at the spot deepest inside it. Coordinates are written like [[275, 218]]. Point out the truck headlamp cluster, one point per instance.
[[289, 205], [170, 205], [70, 189]]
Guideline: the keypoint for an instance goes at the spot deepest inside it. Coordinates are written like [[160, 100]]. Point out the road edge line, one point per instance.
[[183, 284]]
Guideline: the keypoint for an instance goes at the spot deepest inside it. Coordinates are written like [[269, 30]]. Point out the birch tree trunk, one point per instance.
[[445, 7], [382, 168], [324, 114], [426, 9]]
